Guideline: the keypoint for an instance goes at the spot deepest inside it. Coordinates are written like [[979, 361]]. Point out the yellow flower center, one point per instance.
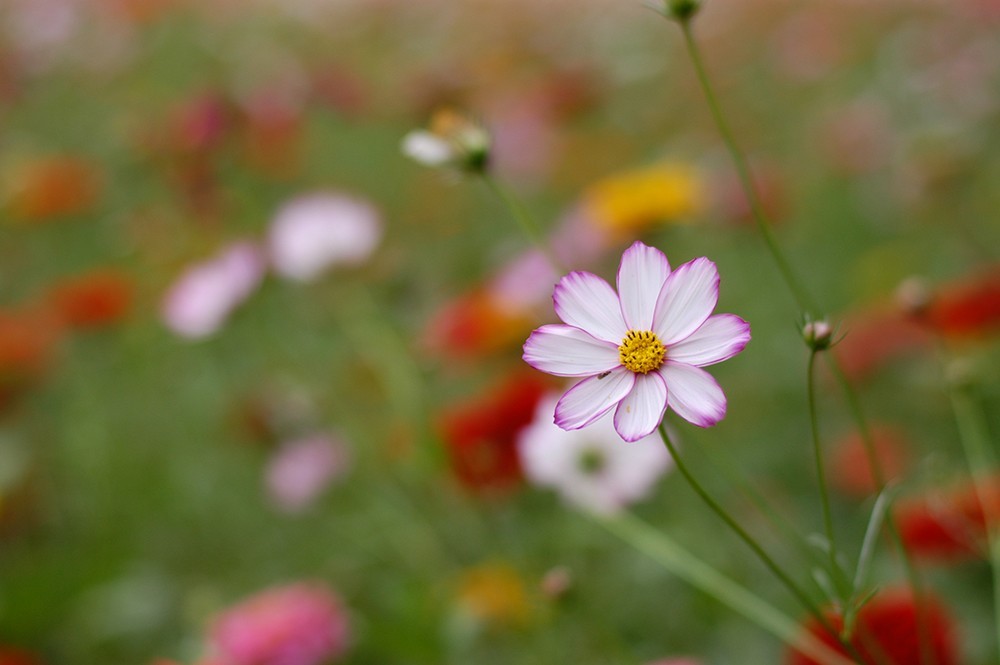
[[641, 351]]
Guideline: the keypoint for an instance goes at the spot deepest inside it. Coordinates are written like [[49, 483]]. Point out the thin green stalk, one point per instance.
[[802, 297], [697, 573], [750, 541], [524, 220], [805, 303], [778, 522], [824, 494], [974, 434]]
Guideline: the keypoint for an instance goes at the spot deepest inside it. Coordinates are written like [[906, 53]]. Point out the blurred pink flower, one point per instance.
[[202, 298], [314, 232], [590, 468], [298, 624], [300, 470]]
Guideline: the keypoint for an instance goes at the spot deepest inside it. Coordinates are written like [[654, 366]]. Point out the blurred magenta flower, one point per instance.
[[641, 349], [315, 232], [202, 298], [300, 470], [590, 468], [297, 624]]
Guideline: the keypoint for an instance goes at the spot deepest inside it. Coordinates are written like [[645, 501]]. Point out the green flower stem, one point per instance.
[[674, 558], [750, 541], [806, 303], [778, 522], [802, 297], [974, 434], [824, 494], [524, 220]]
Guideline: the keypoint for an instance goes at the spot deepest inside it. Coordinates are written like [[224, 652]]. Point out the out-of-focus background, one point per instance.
[[247, 347]]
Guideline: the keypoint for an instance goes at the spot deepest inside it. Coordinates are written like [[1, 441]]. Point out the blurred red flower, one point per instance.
[[851, 472], [27, 343], [949, 525], [874, 337], [94, 299], [14, 656], [965, 309], [54, 187], [886, 632], [481, 433]]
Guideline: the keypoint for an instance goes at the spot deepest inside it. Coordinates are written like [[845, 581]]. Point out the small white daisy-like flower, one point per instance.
[[642, 349], [314, 232], [590, 468]]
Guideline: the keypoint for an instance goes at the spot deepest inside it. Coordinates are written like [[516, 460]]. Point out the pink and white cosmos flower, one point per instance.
[[642, 349]]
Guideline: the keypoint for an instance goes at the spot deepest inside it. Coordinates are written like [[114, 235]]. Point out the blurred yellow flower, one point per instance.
[[494, 593], [635, 200]]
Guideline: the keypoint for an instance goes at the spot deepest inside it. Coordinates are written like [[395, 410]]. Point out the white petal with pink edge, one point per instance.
[[686, 300], [586, 301], [568, 351], [693, 394], [721, 337], [639, 414], [641, 275], [592, 398]]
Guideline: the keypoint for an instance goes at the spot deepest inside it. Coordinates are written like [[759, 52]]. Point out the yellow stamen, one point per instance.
[[641, 351]]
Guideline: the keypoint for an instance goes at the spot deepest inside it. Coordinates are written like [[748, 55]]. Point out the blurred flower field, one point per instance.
[[268, 269]]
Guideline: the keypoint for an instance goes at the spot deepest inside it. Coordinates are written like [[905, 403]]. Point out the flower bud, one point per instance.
[[818, 335], [682, 10]]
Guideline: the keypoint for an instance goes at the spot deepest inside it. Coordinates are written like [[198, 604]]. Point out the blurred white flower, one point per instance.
[[591, 468], [206, 293], [427, 148], [300, 470], [314, 232]]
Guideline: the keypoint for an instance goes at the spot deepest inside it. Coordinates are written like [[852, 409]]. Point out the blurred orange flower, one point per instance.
[[473, 324], [53, 187], [27, 343], [91, 300], [495, 594]]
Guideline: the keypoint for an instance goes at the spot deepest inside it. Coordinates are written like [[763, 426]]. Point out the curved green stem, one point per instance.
[[802, 297], [703, 577], [524, 220], [806, 303], [750, 541], [824, 494]]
